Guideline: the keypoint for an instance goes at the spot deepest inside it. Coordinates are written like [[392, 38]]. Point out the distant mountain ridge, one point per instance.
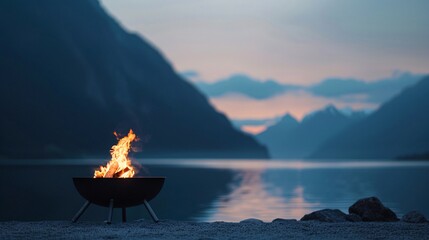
[[71, 75], [399, 128], [292, 139]]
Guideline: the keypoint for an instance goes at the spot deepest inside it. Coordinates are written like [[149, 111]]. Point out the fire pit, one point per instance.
[[118, 193], [114, 186]]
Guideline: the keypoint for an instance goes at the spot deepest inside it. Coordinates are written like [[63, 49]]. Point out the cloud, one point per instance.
[[345, 90], [361, 91], [243, 84]]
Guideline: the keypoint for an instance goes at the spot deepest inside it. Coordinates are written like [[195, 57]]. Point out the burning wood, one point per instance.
[[112, 170], [120, 165], [121, 173]]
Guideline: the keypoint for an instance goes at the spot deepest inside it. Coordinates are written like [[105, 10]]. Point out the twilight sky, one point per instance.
[[295, 41], [292, 41]]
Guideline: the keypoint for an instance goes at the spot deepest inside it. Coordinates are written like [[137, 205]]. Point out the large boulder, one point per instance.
[[353, 218], [326, 215], [372, 210], [414, 217]]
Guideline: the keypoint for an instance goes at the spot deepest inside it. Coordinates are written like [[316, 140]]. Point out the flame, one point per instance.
[[120, 165]]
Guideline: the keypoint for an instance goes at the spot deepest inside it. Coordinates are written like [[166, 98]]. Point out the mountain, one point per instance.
[[291, 139], [400, 127], [243, 84], [285, 125], [71, 75]]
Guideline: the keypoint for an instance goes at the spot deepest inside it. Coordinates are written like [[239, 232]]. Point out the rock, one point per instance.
[[282, 220], [353, 218], [251, 220], [326, 215], [372, 210], [414, 217]]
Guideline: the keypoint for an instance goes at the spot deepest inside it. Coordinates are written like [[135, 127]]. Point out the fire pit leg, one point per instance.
[[109, 217], [81, 211], [124, 214], [151, 212]]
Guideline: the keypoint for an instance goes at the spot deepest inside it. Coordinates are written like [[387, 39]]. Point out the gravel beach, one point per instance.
[[166, 229]]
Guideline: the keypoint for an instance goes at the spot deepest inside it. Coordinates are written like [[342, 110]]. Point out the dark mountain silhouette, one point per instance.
[[398, 128], [291, 139], [71, 75]]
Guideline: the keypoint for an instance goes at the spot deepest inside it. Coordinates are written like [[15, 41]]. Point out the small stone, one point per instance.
[[282, 220], [372, 210], [251, 220], [353, 218], [326, 215], [414, 217]]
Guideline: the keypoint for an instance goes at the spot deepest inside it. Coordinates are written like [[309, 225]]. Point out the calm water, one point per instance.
[[219, 190]]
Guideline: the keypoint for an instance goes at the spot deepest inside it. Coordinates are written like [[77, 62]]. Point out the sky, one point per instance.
[[291, 41]]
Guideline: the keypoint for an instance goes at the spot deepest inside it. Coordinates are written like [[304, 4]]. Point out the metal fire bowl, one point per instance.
[[126, 192]]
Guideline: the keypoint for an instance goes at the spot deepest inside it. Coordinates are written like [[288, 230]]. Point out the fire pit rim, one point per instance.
[[121, 178]]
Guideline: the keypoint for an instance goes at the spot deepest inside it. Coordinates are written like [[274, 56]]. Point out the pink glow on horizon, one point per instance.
[[298, 104], [253, 129]]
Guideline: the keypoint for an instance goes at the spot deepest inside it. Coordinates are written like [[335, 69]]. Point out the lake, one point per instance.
[[218, 190]]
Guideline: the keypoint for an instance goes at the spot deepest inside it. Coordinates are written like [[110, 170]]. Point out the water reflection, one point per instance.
[[252, 196], [268, 190], [219, 190]]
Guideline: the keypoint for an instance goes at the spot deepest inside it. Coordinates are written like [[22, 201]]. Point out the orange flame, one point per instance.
[[120, 165]]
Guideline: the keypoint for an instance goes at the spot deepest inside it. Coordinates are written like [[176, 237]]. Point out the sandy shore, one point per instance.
[[217, 230]]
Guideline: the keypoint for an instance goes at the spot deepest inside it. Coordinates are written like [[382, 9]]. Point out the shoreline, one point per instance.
[[168, 229]]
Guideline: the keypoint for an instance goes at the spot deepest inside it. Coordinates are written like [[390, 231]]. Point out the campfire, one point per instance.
[[115, 186], [120, 165]]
